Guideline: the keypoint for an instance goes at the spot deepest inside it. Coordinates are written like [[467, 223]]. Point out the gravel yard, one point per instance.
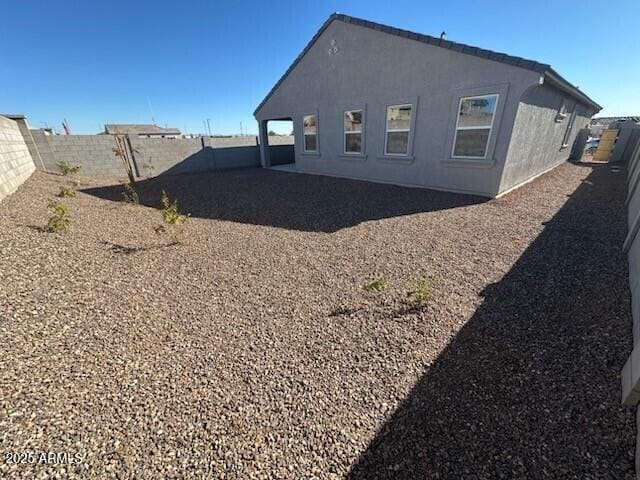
[[251, 351]]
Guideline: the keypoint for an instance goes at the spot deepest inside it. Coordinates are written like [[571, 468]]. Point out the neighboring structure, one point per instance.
[[630, 375], [141, 130], [377, 103], [16, 164], [598, 125]]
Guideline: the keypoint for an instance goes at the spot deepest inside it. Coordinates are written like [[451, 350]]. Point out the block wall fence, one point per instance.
[[151, 156], [16, 164], [630, 376]]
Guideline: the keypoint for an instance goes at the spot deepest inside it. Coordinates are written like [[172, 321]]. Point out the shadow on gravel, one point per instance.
[[287, 200], [529, 388]]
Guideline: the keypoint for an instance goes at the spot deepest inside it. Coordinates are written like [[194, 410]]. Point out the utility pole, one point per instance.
[[241, 133], [204, 122], [209, 125]]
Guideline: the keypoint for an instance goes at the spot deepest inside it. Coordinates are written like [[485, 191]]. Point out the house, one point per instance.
[[141, 130], [377, 103]]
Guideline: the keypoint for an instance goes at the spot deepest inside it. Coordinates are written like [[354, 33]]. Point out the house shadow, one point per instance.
[[292, 201], [529, 387]]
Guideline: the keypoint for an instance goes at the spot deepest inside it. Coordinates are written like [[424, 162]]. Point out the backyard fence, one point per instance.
[[16, 164], [631, 372], [151, 156]]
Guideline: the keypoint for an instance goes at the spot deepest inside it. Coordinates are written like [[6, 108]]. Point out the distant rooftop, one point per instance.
[[138, 129], [607, 120]]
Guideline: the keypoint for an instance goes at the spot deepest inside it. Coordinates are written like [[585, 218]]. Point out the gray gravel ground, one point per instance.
[[252, 352]]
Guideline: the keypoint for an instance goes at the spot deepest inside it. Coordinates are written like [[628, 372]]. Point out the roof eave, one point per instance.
[[541, 68], [554, 78]]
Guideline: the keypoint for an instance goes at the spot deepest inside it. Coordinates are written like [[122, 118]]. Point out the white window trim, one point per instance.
[[387, 130], [490, 127], [304, 141], [345, 132]]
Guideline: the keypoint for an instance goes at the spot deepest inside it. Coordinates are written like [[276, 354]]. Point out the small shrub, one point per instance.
[[173, 220], [130, 194], [66, 192], [67, 169], [60, 220], [378, 285], [421, 292]]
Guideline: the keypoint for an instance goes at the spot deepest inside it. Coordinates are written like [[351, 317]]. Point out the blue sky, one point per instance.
[[101, 62]]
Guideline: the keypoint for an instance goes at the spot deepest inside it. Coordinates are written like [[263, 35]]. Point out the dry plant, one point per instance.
[[172, 220], [67, 169], [377, 286], [60, 220]]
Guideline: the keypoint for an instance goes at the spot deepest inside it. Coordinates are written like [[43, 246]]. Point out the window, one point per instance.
[[398, 130], [310, 131], [353, 131], [567, 133], [473, 126], [562, 112]]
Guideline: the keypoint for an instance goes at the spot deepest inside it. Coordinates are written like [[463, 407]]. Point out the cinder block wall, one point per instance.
[[631, 371], [151, 156], [94, 152], [16, 164], [154, 156]]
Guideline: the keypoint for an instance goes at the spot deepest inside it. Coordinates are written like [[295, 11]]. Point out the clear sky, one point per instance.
[[94, 62]]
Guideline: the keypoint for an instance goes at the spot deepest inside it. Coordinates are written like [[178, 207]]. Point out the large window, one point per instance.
[[398, 130], [473, 126], [310, 130], [353, 131]]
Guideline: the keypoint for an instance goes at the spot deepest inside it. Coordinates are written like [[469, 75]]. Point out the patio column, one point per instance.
[[265, 157]]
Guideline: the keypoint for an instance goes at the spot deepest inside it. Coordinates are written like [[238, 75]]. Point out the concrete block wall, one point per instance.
[[16, 164], [154, 156], [151, 156], [630, 376], [94, 152]]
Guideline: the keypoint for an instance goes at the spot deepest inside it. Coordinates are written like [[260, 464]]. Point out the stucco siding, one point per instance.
[[371, 70], [536, 140]]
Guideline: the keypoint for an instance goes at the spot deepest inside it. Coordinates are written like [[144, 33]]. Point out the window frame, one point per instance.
[[409, 130], [304, 135], [490, 128], [569, 129], [562, 111], [361, 132]]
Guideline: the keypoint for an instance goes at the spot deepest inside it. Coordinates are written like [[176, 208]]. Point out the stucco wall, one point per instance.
[[536, 140], [16, 164], [372, 70], [354, 67]]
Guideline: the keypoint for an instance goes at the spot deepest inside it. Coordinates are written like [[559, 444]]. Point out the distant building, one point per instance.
[[597, 125], [141, 130]]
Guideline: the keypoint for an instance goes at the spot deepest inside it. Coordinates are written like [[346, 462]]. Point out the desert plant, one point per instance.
[[122, 152], [173, 220], [67, 169], [421, 292], [66, 192], [130, 194], [378, 285], [60, 220]]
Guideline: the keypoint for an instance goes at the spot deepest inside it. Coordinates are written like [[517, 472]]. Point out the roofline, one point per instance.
[[561, 83], [541, 68]]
